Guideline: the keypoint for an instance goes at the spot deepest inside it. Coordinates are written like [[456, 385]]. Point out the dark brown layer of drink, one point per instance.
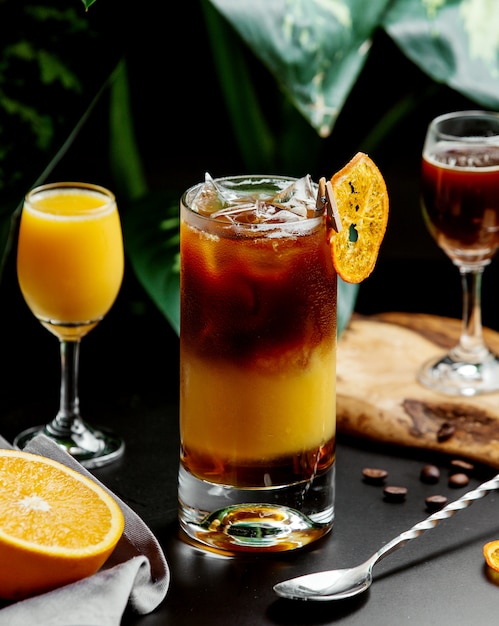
[[266, 473], [460, 191], [256, 298]]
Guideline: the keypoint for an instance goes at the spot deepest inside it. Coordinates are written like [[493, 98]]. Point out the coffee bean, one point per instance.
[[374, 475], [445, 432], [393, 493], [430, 474], [462, 466], [458, 480], [435, 503]]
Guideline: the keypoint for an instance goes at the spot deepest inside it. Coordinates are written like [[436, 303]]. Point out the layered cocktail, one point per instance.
[[258, 349]]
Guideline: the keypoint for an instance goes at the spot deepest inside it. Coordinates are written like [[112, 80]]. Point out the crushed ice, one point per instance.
[[297, 200]]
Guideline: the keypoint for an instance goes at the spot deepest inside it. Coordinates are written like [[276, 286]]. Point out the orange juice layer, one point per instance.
[[70, 257], [242, 414]]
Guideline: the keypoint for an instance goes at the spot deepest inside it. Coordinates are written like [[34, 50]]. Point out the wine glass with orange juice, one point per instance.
[[70, 264]]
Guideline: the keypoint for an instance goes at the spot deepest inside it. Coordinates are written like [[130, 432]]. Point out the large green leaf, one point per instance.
[[124, 156], [151, 233], [455, 42], [347, 297], [315, 49]]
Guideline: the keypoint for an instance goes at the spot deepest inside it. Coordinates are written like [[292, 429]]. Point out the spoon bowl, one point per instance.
[[333, 585]]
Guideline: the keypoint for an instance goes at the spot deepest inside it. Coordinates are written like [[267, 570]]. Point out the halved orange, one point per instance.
[[362, 202], [56, 525], [491, 554]]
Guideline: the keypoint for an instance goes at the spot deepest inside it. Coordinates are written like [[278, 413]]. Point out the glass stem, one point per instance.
[[69, 405], [471, 346]]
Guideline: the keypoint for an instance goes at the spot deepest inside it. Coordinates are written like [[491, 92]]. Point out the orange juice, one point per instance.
[[70, 255], [258, 367]]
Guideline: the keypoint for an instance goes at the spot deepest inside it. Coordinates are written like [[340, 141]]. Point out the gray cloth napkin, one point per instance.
[[136, 573]]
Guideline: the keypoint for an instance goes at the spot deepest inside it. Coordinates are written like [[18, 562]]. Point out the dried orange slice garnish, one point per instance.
[[491, 554], [362, 201], [56, 525]]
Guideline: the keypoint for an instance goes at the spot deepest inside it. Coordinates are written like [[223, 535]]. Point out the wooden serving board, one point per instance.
[[379, 397]]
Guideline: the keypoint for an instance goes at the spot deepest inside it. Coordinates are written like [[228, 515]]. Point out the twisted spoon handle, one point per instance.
[[434, 519]]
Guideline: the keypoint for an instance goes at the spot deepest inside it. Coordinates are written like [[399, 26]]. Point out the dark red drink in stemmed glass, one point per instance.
[[460, 198]]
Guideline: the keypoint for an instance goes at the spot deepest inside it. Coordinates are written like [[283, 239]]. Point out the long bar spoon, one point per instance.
[[344, 583]]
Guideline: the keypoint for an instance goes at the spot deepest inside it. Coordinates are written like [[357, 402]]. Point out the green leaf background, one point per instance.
[[287, 71]]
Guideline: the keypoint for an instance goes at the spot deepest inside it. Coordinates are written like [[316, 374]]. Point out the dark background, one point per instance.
[[129, 363], [183, 130]]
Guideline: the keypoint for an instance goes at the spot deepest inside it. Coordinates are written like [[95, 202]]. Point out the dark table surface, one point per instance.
[[439, 578], [129, 382]]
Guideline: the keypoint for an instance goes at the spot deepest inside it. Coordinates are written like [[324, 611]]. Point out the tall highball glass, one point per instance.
[[258, 365], [70, 263], [460, 198]]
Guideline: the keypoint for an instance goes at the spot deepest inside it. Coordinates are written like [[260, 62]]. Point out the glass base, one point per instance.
[[453, 377], [91, 447], [227, 519]]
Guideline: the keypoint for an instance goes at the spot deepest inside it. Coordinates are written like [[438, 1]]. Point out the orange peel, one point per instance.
[[491, 554], [362, 202]]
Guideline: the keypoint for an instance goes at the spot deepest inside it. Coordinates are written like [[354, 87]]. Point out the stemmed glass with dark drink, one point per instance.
[[460, 197]]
